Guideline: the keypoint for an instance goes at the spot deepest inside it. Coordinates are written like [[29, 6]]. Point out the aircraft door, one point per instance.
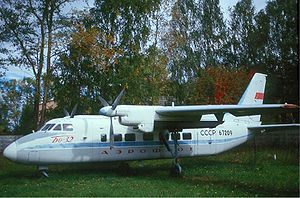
[[205, 142], [100, 138], [196, 146], [212, 141]]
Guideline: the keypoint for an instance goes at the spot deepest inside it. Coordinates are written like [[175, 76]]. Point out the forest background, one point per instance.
[[159, 50]]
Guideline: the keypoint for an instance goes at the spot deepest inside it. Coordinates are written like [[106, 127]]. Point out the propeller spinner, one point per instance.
[[109, 111]]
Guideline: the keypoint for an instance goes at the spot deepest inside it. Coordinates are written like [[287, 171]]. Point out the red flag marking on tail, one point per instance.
[[259, 96]]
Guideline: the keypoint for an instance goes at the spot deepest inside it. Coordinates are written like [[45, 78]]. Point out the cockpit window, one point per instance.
[[47, 127], [57, 127], [67, 127]]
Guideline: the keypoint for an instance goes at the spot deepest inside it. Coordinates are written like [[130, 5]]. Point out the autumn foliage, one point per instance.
[[95, 45], [219, 85]]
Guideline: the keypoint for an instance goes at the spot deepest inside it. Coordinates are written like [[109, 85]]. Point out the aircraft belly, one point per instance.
[[28, 156], [66, 155], [33, 156], [55, 155]]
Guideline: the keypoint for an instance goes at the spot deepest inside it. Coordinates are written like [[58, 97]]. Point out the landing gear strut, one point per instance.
[[43, 170], [176, 170]]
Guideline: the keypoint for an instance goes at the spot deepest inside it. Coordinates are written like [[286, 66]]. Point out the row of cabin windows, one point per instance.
[[146, 137]]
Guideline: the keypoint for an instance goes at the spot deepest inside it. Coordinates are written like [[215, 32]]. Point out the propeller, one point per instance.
[[110, 112], [73, 112]]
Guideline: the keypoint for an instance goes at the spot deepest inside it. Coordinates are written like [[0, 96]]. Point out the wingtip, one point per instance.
[[290, 106]]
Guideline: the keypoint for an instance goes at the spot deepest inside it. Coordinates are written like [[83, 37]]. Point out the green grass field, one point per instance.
[[235, 173]]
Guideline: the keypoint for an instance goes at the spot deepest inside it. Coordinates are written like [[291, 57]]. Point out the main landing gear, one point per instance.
[[176, 170], [43, 170]]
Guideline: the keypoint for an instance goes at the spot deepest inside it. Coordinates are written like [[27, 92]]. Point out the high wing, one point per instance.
[[237, 110], [208, 116]]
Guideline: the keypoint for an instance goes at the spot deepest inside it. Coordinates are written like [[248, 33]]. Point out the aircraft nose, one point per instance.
[[10, 152]]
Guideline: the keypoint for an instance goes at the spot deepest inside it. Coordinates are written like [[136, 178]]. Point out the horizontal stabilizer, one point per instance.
[[274, 127]]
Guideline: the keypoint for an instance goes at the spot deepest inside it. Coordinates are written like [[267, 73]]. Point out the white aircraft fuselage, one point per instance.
[[86, 139]]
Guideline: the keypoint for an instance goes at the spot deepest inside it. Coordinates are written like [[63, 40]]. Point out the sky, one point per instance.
[[17, 73], [225, 4]]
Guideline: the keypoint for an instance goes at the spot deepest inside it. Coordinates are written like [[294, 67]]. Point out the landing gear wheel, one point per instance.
[[178, 169], [43, 170], [44, 173]]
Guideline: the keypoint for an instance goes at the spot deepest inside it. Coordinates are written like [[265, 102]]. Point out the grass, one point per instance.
[[235, 173]]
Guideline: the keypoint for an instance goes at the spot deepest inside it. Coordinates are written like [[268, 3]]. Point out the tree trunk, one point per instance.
[[38, 79], [48, 69], [36, 102]]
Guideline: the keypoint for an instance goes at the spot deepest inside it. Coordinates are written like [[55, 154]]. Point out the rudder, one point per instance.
[[255, 91]]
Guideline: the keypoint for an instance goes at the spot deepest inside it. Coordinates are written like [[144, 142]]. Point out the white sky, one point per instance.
[[17, 73], [225, 4]]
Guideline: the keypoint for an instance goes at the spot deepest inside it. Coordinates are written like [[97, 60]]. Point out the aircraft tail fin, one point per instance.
[[255, 91], [254, 95]]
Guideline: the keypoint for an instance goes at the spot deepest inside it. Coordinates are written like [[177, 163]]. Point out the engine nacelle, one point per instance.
[[138, 116]]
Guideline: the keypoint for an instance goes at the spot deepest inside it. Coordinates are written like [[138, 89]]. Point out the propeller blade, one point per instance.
[[66, 112], [103, 101], [117, 100], [111, 133], [73, 111]]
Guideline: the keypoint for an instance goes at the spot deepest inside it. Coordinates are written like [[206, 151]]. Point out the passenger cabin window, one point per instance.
[[130, 137], [57, 127], [103, 138], [175, 135], [148, 136], [67, 127], [118, 137], [187, 136]]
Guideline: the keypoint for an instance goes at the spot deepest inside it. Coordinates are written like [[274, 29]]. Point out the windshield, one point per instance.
[[57, 127], [47, 127]]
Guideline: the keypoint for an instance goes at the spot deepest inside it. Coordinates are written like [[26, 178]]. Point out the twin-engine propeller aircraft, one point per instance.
[[131, 132]]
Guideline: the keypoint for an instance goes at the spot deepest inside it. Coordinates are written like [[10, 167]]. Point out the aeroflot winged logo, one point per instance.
[[259, 96]]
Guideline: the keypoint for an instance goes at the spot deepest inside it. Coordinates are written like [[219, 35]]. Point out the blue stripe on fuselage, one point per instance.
[[133, 143]]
